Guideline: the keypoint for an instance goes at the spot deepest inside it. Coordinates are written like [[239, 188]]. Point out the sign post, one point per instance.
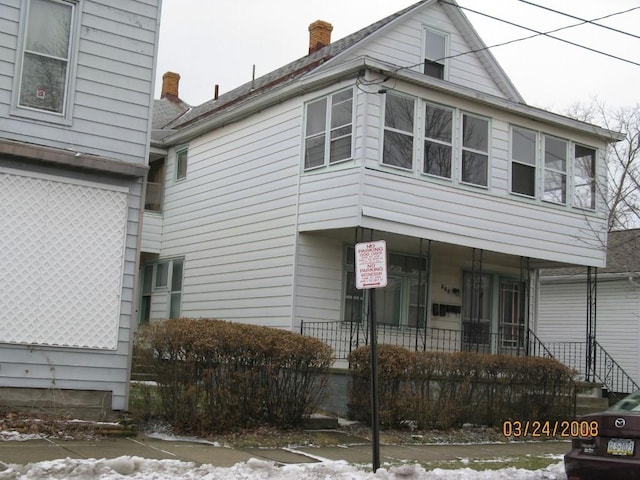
[[371, 273]]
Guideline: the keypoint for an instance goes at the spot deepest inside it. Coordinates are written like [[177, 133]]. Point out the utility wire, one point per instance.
[[592, 22], [537, 32]]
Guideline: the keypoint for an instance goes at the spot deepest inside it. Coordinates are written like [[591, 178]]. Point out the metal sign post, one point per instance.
[[371, 273]]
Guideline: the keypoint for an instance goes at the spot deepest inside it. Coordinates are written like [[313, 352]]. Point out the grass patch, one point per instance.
[[527, 462]]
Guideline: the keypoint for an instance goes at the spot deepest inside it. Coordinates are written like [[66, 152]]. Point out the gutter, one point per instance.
[[329, 74]]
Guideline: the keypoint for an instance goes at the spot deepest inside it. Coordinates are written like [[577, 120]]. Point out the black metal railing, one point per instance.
[[344, 337], [599, 366]]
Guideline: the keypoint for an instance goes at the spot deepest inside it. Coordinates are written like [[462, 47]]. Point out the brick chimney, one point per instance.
[[170, 83], [319, 35]]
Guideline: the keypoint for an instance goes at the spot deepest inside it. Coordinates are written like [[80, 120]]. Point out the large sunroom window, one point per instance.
[[475, 150], [438, 142], [328, 130], [523, 161], [398, 131], [555, 169], [584, 179]]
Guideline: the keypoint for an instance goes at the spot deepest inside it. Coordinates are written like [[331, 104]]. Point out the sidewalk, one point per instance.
[[350, 449]]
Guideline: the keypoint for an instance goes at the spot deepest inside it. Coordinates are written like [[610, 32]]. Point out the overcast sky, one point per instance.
[[210, 43]]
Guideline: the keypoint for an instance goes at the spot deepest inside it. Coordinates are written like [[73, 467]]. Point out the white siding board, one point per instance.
[[562, 314], [233, 219]]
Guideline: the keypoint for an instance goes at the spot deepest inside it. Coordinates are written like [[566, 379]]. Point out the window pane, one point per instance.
[[162, 274], [416, 314], [181, 167], [314, 152], [340, 149], [474, 168], [555, 154], [341, 109], [398, 150], [555, 187], [399, 113], [585, 163], [174, 306], [432, 69], [147, 275], [43, 82], [585, 196], [176, 276], [524, 146], [387, 302], [523, 179], [437, 159], [316, 117], [49, 28], [434, 46], [353, 299], [438, 123], [475, 133], [145, 309]]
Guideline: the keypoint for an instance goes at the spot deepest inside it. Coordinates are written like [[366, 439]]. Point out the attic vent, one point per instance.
[[319, 35]]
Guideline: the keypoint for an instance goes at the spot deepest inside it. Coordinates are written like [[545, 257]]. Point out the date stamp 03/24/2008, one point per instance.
[[550, 428]]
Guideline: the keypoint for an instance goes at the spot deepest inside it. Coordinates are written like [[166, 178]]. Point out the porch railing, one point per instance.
[[602, 367], [345, 337]]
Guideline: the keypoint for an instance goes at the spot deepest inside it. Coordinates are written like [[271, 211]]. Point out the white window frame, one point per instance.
[[554, 171], [28, 111], [450, 144], [522, 162], [578, 180], [416, 102], [167, 288], [179, 177], [326, 134], [474, 151], [443, 61]]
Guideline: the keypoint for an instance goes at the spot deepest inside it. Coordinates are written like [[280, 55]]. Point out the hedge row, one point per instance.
[[216, 376], [444, 390]]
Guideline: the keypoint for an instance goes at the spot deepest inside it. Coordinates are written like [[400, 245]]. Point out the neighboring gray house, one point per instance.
[[76, 88], [562, 308], [406, 131]]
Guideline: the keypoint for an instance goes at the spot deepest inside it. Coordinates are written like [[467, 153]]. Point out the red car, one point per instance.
[[609, 446]]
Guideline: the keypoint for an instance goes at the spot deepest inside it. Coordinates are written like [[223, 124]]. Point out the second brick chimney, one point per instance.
[[170, 82], [319, 35]]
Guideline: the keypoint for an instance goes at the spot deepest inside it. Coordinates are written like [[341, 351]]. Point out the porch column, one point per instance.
[[592, 294]]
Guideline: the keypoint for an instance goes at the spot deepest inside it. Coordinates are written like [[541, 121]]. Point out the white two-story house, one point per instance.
[[76, 95], [407, 131]]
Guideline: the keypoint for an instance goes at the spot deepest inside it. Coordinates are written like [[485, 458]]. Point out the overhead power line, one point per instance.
[[592, 22], [547, 34]]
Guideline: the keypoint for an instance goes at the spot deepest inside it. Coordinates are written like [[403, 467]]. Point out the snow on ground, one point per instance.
[[137, 468]]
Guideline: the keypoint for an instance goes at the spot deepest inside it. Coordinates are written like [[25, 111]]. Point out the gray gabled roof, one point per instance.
[[284, 74]]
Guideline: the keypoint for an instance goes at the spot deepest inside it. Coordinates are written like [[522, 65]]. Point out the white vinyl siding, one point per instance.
[[562, 317], [235, 225]]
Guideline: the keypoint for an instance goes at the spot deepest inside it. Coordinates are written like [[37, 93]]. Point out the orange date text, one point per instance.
[[549, 428]]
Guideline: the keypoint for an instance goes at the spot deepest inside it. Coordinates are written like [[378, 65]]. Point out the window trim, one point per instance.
[[452, 144], [535, 165], [565, 173], [463, 149], [16, 109], [162, 290], [384, 129], [179, 151], [327, 130], [423, 52]]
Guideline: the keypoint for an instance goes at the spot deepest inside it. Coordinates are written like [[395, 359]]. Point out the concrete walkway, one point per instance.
[[351, 450]]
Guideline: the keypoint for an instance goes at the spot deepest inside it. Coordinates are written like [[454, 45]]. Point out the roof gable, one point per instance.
[[343, 49]]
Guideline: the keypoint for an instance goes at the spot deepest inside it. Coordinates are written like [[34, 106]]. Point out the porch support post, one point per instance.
[[524, 310], [592, 294]]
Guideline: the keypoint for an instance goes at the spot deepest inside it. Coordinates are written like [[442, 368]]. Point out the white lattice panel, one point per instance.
[[61, 259]]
